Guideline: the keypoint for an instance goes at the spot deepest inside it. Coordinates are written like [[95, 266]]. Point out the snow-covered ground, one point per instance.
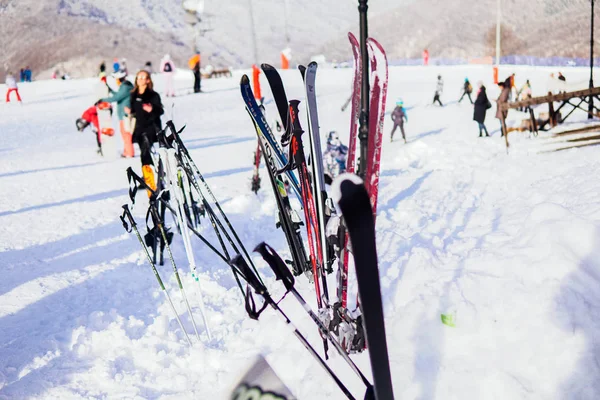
[[508, 244]]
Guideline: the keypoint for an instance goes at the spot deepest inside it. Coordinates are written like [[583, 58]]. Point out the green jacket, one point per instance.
[[122, 97]]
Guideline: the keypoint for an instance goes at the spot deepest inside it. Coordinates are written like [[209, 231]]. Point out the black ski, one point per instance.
[[281, 101], [288, 220], [353, 199]]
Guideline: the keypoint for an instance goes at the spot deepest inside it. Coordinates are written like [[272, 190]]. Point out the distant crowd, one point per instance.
[[139, 107], [508, 92]]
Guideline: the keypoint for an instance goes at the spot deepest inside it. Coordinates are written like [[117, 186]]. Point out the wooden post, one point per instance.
[[533, 122], [551, 112], [504, 130]]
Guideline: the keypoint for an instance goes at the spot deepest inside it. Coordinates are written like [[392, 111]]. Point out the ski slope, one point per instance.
[[506, 244]]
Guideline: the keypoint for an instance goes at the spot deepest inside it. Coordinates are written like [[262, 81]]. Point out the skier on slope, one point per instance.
[[146, 108], [510, 84], [334, 157], [194, 63], [502, 98], [467, 90], [524, 94], [11, 86], [90, 117], [482, 104], [102, 72], [439, 89], [123, 99], [398, 116], [168, 70]]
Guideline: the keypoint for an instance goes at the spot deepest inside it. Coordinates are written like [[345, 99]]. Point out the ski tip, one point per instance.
[[245, 80], [265, 67], [340, 185], [351, 37]]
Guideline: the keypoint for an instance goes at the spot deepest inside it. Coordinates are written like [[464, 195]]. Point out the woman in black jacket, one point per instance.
[[481, 106], [146, 108]]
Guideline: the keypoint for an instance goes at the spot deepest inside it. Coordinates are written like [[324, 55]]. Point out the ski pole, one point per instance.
[[133, 226], [283, 274], [134, 178], [192, 170], [260, 289], [164, 236], [170, 163]]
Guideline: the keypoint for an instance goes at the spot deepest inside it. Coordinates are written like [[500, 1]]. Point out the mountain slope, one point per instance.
[[76, 35]]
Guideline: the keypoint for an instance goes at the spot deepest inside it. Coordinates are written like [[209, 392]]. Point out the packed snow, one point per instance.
[[503, 242]]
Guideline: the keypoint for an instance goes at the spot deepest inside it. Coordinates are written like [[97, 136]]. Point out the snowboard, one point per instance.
[[106, 131]]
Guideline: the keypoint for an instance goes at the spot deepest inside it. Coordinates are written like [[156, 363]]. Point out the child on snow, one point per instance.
[[11, 86], [90, 116], [467, 90], [168, 70], [438, 91], [334, 158], [398, 116], [524, 94]]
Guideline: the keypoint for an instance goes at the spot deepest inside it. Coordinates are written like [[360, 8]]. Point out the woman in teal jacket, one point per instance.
[[123, 99]]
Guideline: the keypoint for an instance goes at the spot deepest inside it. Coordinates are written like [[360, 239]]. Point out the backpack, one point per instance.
[[168, 67]]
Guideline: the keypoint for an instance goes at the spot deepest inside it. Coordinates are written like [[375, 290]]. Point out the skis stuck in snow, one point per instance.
[[320, 239]]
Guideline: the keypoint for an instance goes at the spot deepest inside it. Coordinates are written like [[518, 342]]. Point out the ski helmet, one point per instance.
[[333, 135], [81, 124], [399, 102]]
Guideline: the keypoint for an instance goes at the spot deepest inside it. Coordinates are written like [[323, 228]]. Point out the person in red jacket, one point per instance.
[[90, 116], [425, 57]]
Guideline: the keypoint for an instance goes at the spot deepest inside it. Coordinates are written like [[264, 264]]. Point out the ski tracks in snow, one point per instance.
[[468, 232]]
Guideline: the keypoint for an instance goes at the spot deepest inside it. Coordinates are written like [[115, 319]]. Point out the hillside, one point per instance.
[[76, 35], [463, 29]]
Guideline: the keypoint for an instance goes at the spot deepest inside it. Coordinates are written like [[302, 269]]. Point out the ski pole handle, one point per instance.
[[249, 276], [279, 268], [252, 280], [296, 128], [127, 214], [171, 127], [133, 177]]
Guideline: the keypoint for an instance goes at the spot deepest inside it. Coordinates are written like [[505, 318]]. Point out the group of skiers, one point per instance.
[[482, 103], [467, 89], [25, 74], [138, 105], [139, 109]]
